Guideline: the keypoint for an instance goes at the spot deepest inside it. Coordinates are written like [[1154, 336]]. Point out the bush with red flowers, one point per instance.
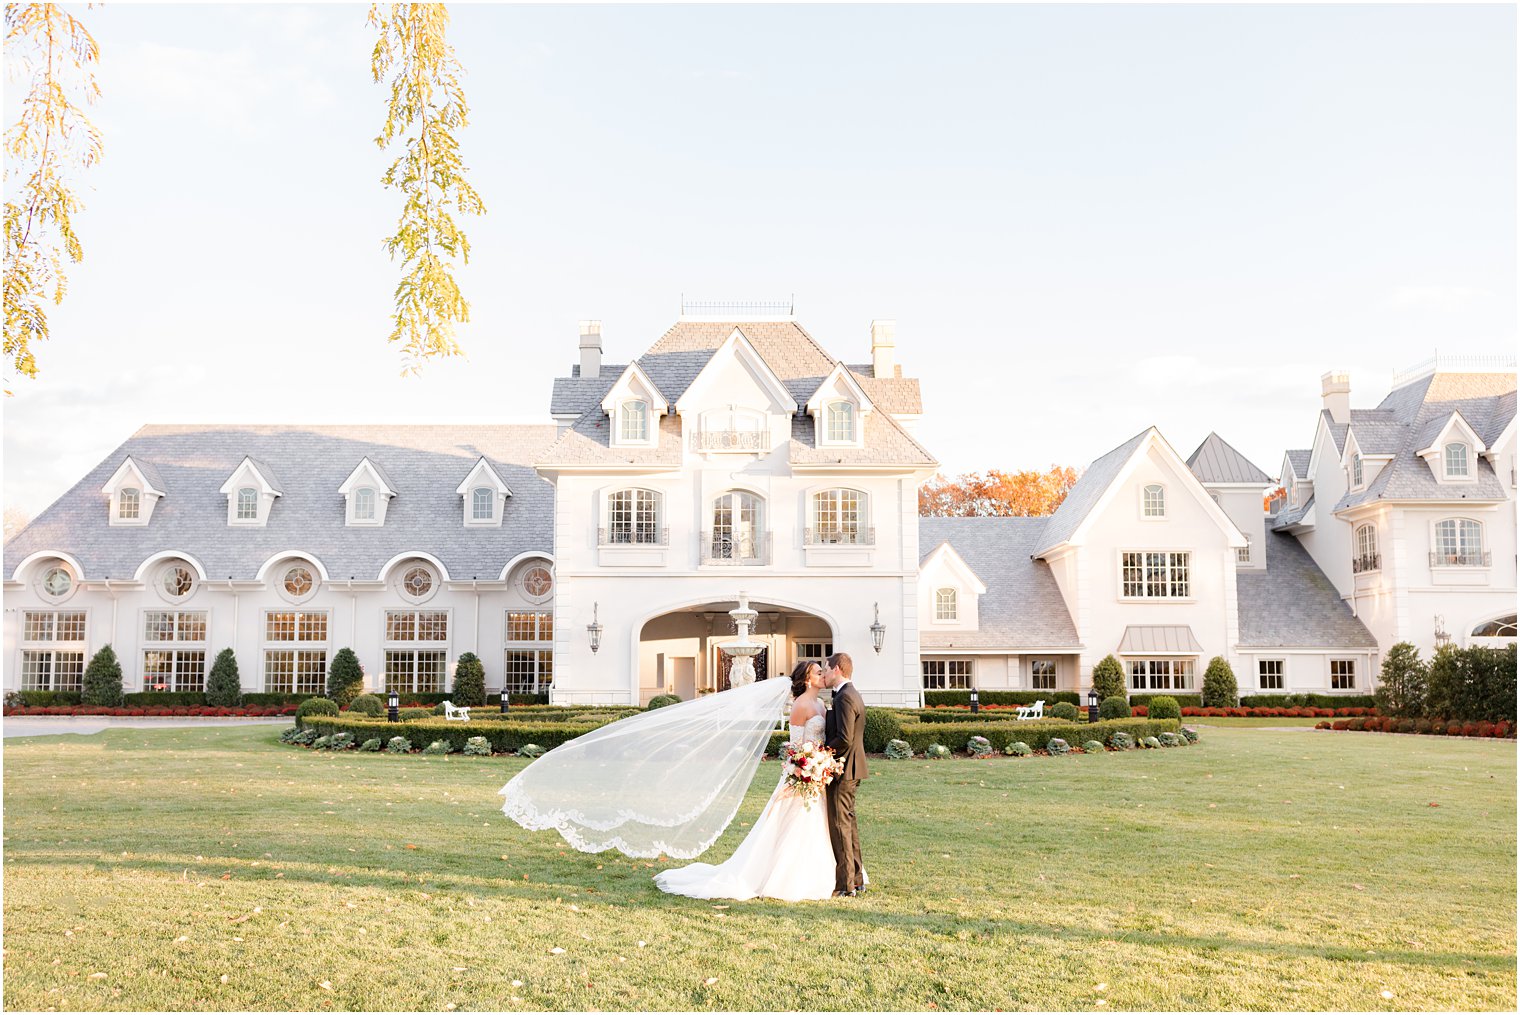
[[169, 711]]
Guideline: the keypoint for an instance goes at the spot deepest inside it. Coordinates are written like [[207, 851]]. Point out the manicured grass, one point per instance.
[[1258, 869], [1250, 721]]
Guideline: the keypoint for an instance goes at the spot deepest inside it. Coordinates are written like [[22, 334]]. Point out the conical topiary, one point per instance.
[[345, 677], [469, 680], [224, 686], [102, 679]]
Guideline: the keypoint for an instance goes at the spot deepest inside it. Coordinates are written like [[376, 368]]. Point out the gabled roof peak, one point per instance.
[[1215, 461]]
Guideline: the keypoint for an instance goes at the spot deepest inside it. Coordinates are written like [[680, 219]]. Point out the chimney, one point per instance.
[[883, 348], [591, 348], [1335, 387]]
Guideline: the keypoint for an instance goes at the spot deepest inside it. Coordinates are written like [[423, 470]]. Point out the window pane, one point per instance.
[[192, 627], [400, 625], [36, 671], [310, 672], [130, 504], [481, 504], [279, 672], [433, 625], [38, 626], [279, 626], [158, 670], [68, 671], [247, 503], [312, 627]]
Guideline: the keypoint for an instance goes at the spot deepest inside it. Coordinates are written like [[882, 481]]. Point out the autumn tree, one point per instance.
[[1023, 494], [425, 111], [47, 145]]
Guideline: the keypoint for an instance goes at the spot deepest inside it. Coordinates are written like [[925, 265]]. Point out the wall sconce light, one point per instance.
[[594, 631], [878, 632]]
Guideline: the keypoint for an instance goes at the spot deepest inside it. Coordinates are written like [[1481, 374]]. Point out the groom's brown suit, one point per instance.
[[845, 734]]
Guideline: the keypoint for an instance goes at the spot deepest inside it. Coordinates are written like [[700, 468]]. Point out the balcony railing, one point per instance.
[[740, 551], [728, 440], [1365, 562], [636, 535], [1476, 558], [840, 537]]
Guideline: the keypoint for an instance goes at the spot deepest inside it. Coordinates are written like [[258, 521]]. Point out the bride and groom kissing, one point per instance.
[[797, 851]]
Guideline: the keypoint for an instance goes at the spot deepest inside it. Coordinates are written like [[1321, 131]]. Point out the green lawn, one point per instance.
[[1259, 869], [1249, 721]]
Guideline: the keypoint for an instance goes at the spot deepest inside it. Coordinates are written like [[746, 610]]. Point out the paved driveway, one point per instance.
[[50, 725]]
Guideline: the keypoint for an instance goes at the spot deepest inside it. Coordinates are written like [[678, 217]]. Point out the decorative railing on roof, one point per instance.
[[1476, 363], [729, 440], [737, 309]]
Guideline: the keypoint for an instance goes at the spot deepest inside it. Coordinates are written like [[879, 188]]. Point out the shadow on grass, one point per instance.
[[640, 892]]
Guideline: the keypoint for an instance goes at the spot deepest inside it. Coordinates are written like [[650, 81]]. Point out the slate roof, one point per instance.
[[1084, 495], [675, 360], [425, 463], [1411, 417], [1290, 516], [1215, 461], [1293, 605], [1299, 458], [1023, 608]]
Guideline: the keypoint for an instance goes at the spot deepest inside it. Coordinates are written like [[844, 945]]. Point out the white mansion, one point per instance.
[[597, 558]]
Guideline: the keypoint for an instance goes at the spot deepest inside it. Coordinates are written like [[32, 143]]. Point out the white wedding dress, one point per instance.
[[787, 855]]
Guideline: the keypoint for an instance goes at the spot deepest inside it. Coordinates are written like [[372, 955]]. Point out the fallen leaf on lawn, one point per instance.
[[504, 856], [517, 983], [325, 985], [1101, 987], [642, 943], [556, 951], [68, 933], [237, 939], [449, 1006], [224, 977], [621, 959], [710, 981], [1359, 888], [460, 969], [1434, 804], [97, 976], [1387, 995], [411, 845], [181, 938]]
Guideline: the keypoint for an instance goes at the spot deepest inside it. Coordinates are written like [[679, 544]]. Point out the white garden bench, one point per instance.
[[1035, 711], [452, 711]]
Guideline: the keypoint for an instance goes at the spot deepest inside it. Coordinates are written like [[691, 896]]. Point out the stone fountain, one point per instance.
[[742, 670]]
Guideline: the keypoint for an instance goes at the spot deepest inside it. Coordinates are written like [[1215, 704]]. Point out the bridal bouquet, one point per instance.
[[808, 768]]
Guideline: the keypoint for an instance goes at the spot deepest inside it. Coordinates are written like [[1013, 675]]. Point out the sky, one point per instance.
[[1085, 220]]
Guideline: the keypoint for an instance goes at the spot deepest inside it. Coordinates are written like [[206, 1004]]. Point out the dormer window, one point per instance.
[[481, 504], [132, 491], [129, 504], [840, 428], [1356, 471], [251, 491], [946, 604], [1153, 501], [633, 421], [1456, 459], [368, 492], [247, 504], [364, 504]]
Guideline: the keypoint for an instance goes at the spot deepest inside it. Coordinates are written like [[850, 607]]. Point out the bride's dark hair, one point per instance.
[[799, 677]]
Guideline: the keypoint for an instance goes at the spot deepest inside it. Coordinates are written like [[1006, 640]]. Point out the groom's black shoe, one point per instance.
[[844, 895]]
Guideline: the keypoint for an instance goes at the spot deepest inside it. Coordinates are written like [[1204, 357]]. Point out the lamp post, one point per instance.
[[503, 699], [594, 630], [878, 632], [976, 705], [1092, 704], [393, 707]]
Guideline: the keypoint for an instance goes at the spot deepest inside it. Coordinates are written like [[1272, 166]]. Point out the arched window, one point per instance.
[[1356, 470], [634, 424], [481, 504], [298, 582], [839, 516], [633, 516], [839, 425], [247, 504], [129, 503], [1458, 543], [178, 581], [737, 521], [1153, 501], [1455, 456], [1503, 627], [1366, 558], [946, 604], [364, 504]]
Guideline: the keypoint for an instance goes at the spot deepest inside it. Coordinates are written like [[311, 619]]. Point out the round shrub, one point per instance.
[[416, 712], [369, 704], [1151, 742], [1115, 706], [1093, 747], [899, 750], [1064, 710], [1057, 746], [1163, 706], [1121, 741], [372, 744], [438, 747], [398, 745], [1108, 678], [530, 750], [1018, 749], [477, 745], [937, 751], [881, 726], [315, 706], [1189, 734], [661, 700], [979, 747]]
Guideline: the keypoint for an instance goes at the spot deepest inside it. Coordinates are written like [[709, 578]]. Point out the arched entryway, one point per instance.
[[677, 651]]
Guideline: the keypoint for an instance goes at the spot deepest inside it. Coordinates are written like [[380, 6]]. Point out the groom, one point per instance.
[[844, 733]]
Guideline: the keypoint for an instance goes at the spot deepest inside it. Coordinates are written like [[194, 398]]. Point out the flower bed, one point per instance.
[[190, 711], [502, 736], [1299, 712], [919, 735], [1427, 727]]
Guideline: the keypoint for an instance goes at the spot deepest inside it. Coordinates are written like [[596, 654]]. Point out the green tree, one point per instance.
[[1402, 682], [426, 108], [1445, 691], [1219, 687], [102, 679], [469, 680], [345, 677], [223, 685], [51, 139], [1108, 678]]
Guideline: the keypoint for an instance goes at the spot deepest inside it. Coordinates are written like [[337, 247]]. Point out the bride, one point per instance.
[[787, 854]]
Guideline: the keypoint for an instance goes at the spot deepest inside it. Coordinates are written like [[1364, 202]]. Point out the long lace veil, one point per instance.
[[664, 782]]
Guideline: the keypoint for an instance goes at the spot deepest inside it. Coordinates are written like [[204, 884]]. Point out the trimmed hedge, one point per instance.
[[882, 725], [502, 736], [1035, 734], [42, 699], [1183, 700], [1301, 700], [1000, 697]]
